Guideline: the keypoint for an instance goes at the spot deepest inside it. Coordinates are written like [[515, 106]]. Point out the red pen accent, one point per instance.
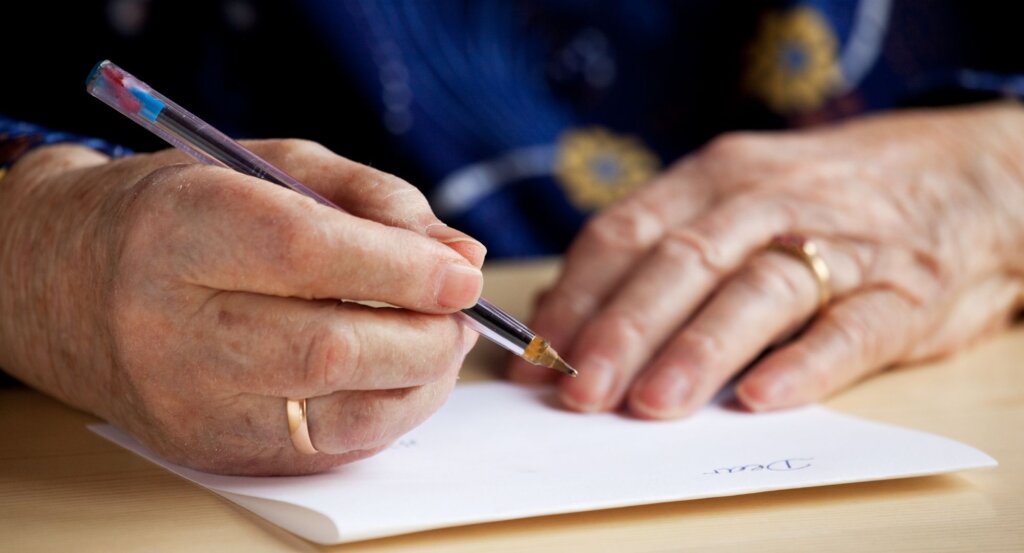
[[115, 80]]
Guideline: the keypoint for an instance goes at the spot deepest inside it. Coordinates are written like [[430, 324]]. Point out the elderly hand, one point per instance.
[[185, 303], [667, 296]]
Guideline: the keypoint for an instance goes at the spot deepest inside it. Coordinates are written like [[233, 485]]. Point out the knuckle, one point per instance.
[[387, 185], [700, 345], [303, 159], [794, 180], [770, 277], [626, 326], [331, 357], [686, 246], [572, 300], [162, 174], [297, 149], [732, 145], [924, 279], [403, 201], [150, 209], [162, 187], [788, 211], [396, 189], [187, 189], [854, 330], [630, 226]]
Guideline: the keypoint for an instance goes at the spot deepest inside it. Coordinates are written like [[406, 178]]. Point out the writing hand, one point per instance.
[[185, 302]]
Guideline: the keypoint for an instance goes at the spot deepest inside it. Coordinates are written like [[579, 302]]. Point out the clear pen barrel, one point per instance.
[[498, 326], [147, 107], [140, 103]]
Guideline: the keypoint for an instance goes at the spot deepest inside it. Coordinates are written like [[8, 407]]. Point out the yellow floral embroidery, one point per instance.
[[597, 167], [792, 61]]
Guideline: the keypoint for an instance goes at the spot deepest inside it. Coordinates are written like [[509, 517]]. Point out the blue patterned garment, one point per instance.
[[519, 119], [18, 138], [528, 116]]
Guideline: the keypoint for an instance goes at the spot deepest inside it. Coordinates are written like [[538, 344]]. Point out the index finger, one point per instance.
[[365, 192], [219, 229], [604, 253]]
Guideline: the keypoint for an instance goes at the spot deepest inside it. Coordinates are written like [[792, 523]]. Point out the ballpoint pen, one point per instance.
[[140, 103]]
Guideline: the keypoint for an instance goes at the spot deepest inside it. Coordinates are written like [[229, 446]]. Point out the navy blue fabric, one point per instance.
[[19, 137], [436, 90], [487, 76]]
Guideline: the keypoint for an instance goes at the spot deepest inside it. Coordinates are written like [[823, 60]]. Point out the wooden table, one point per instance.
[[64, 489]]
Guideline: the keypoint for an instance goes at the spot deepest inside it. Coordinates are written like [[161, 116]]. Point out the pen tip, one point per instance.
[[562, 366], [540, 352]]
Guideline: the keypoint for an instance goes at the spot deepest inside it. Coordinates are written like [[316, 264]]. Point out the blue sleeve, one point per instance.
[[18, 138]]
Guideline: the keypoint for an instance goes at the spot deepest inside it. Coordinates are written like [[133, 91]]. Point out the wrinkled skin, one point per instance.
[[185, 302], [671, 293]]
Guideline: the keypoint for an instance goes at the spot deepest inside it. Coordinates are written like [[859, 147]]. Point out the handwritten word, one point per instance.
[[782, 465]]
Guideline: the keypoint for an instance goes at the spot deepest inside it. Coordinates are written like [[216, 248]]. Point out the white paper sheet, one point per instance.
[[498, 451]]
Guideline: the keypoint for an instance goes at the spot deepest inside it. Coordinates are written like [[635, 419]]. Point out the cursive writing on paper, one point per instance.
[[782, 465]]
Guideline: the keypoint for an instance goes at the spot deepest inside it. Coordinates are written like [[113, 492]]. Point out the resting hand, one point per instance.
[[186, 302], [670, 294]]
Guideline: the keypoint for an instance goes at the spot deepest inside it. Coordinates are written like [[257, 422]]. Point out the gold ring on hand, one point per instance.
[[298, 426], [807, 251]]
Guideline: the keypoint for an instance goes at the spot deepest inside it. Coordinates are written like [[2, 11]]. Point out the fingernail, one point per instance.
[[776, 392], [590, 390], [766, 393], [663, 394], [460, 286], [467, 247]]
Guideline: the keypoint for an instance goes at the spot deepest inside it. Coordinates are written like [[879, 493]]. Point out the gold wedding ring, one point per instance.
[[298, 426], [805, 250]]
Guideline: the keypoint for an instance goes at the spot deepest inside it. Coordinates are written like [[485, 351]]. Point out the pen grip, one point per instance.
[[183, 130]]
